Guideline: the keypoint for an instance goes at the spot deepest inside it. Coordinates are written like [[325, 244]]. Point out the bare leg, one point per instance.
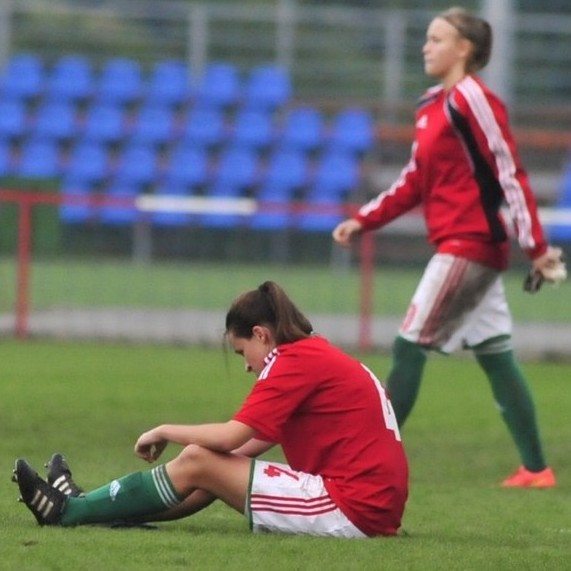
[[221, 475]]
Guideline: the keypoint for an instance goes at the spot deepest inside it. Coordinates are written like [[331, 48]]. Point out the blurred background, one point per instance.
[[157, 158]]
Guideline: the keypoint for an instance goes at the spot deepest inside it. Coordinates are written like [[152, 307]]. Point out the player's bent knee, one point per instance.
[[193, 455], [190, 464], [199, 467]]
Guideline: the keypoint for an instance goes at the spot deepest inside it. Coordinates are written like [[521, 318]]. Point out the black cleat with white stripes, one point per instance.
[[42, 499], [59, 476]]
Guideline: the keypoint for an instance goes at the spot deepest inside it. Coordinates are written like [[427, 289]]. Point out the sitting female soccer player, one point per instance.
[[346, 474]]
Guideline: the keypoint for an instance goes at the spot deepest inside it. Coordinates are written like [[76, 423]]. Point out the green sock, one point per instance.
[[404, 378], [135, 495], [516, 405]]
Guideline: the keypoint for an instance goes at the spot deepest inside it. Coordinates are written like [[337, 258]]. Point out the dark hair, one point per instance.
[[267, 305], [476, 30]]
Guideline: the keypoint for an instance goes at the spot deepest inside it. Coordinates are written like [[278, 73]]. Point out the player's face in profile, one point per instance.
[[253, 350], [443, 50]]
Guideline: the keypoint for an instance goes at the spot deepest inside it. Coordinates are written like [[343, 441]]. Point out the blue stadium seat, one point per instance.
[[337, 173], [23, 77], [56, 120], [237, 167], [287, 168], [219, 85], [137, 165], [40, 158], [559, 233], [303, 129], [78, 212], [187, 166], [104, 122], [88, 161], [267, 87], [123, 210], [169, 83], [154, 124], [204, 126], [13, 118], [562, 232], [71, 78], [6, 163], [253, 128], [120, 81], [236, 171], [564, 198], [276, 200], [285, 175], [353, 129]]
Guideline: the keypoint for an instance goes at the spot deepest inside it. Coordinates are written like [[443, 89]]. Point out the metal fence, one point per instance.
[[334, 53]]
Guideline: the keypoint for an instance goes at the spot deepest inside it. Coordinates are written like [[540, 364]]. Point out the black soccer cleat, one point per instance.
[[59, 476], [43, 500]]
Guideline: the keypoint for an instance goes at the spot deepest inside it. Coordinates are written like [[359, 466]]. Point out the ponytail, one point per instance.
[[267, 305]]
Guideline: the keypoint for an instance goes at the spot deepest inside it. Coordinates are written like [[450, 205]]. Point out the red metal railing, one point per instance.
[[27, 201]]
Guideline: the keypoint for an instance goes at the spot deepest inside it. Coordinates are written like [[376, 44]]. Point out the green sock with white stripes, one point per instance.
[[132, 496]]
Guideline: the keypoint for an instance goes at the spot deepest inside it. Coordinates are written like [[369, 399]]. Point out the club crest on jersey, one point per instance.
[[422, 122]]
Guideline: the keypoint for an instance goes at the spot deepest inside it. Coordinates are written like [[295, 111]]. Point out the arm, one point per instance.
[[401, 197], [253, 448], [222, 437]]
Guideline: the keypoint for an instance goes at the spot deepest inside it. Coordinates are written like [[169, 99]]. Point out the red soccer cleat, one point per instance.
[[523, 478]]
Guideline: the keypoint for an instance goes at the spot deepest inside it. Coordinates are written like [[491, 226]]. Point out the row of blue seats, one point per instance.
[[285, 176], [186, 165], [123, 81], [276, 185], [304, 127], [127, 132]]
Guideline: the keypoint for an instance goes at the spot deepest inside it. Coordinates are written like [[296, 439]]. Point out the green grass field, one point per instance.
[[92, 401], [317, 288]]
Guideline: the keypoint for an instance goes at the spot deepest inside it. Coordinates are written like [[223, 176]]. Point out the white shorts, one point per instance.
[[458, 303], [281, 500]]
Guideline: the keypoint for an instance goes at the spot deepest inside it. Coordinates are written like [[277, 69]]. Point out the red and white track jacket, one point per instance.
[[464, 166]]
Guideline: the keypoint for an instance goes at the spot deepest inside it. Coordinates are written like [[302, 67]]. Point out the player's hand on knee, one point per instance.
[[150, 445]]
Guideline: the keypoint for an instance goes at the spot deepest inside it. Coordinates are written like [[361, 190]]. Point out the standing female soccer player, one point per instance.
[[464, 165], [346, 474]]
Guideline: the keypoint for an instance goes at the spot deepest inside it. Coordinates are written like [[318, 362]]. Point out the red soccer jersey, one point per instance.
[[332, 418], [464, 167]]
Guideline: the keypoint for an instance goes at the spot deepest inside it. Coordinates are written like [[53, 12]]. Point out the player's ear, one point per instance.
[[465, 48], [261, 333]]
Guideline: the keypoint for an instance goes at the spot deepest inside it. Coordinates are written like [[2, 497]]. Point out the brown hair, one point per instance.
[[476, 30], [267, 305]]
